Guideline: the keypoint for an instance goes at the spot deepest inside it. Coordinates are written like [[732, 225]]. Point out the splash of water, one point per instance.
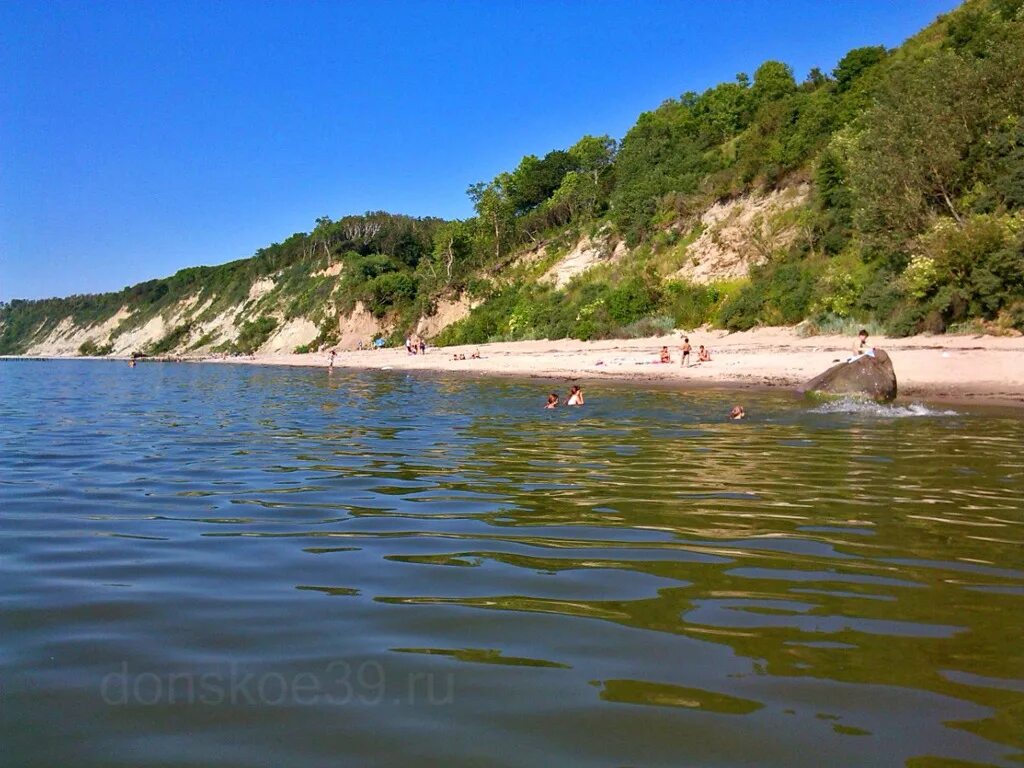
[[859, 406]]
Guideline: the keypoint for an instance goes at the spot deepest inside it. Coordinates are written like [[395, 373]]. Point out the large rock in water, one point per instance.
[[868, 376]]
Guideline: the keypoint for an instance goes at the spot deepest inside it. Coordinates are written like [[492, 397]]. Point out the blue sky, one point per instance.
[[142, 137]]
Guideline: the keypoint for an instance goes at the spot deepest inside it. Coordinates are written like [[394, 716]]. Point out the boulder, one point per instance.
[[868, 376]]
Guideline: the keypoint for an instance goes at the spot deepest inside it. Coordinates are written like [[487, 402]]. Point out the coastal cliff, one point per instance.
[[888, 193]]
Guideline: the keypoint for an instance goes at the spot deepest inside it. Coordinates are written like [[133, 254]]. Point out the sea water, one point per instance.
[[240, 566]]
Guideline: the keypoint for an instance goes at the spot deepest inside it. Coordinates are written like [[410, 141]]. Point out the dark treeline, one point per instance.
[[914, 158]]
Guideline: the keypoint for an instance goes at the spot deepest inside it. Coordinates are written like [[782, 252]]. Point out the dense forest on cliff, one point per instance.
[[909, 216]]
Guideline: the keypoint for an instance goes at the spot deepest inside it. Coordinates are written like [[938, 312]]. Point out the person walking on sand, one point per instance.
[[686, 350], [575, 396]]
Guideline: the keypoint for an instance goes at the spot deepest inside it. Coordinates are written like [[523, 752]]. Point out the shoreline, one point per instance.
[[982, 370]]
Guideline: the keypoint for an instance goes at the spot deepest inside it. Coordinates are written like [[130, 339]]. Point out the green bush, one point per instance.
[[655, 325], [632, 300], [788, 293], [690, 306], [386, 290], [254, 334], [173, 338], [742, 311], [906, 321], [90, 348]]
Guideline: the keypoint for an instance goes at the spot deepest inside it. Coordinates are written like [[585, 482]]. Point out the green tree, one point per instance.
[[856, 63], [534, 181], [773, 80], [496, 211]]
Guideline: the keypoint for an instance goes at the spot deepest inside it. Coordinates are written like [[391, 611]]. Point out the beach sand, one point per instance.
[[962, 368]]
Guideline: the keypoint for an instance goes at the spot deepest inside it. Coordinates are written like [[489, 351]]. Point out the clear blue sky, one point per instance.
[[140, 137]]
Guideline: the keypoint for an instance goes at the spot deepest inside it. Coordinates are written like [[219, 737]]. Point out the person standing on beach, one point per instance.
[[686, 350], [330, 361]]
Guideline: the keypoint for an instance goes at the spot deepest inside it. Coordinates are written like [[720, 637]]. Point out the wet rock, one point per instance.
[[869, 376]]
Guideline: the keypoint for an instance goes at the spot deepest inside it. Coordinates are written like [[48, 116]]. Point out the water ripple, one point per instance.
[[455, 576]]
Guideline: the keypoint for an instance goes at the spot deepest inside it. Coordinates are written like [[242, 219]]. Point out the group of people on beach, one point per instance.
[[415, 345], [686, 351]]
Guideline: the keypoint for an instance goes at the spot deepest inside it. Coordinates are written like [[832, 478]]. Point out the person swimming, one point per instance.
[[552, 400], [737, 413], [575, 396]]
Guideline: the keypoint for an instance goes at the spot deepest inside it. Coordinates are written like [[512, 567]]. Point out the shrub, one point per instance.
[[90, 348], [907, 320], [655, 325], [788, 293], [632, 300], [742, 311], [254, 334], [388, 289], [882, 296], [690, 306], [173, 338]]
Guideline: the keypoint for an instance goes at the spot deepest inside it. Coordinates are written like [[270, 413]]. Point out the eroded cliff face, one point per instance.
[[189, 329], [742, 233], [728, 240]]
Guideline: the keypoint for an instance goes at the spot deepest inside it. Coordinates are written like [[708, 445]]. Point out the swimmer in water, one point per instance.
[[737, 413], [575, 396], [552, 400]]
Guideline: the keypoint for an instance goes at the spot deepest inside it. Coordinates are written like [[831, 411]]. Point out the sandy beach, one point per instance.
[[965, 368]]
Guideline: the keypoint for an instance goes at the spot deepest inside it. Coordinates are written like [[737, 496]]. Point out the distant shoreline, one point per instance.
[[966, 369]]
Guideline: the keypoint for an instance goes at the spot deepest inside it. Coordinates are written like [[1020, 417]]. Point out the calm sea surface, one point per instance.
[[208, 565]]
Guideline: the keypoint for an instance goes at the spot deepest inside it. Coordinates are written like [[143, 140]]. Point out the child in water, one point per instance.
[[552, 400], [575, 396], [737, 413]]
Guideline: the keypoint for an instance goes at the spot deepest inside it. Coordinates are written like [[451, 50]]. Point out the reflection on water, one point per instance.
[[240, 566]]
